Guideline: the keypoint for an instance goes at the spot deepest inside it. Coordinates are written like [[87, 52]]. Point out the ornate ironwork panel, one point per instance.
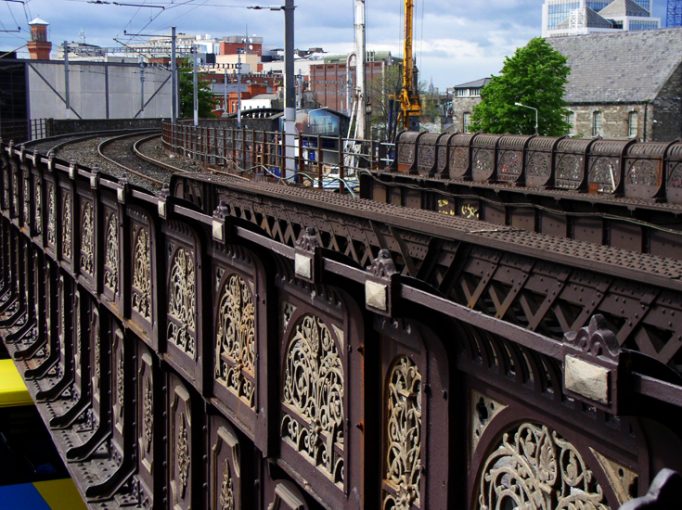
[[142, 273], [673, 173], [27, 201], [51, 215], [483, 157], [460, 156], [644, 172], [225, 467], [145, 437], [533, 466], [182, 300], [111, 251], [235, 363], [313, 396], [87, 238], [67, 225], [38, 205], [403, 432], [181, 452]]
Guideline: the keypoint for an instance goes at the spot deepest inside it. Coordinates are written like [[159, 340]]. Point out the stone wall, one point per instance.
[[667, 125], [460, 106]]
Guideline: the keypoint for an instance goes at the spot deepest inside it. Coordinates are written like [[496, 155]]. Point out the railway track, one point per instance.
[[129, 153], [59, 142]]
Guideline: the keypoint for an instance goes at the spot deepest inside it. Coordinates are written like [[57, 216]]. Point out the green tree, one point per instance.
[[206, 99], [535, 76], [380, 89]]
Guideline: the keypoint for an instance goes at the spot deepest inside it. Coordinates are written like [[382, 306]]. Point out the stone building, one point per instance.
[[622, 85], [464, 97]]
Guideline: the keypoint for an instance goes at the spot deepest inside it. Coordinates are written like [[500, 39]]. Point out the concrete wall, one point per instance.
[[97, 90]]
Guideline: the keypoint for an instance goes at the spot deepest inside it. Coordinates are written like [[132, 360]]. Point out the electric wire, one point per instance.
[[12, 14]]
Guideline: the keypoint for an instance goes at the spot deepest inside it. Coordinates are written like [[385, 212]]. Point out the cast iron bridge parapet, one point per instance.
[[619, 193], [183, 352]]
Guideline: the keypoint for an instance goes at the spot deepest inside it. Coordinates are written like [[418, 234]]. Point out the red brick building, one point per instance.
[[328, 81]]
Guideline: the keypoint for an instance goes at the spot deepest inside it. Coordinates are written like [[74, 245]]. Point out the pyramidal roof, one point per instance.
[[38, 21], [620, 8], [587, 18]]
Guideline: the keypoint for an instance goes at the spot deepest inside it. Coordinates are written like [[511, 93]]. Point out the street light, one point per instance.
[[530, 108], [289, 88]]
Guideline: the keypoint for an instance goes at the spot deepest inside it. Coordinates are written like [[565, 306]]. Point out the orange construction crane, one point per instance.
[[410, 105]]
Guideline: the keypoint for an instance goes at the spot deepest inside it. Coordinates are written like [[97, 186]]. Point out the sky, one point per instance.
[[454, 41]]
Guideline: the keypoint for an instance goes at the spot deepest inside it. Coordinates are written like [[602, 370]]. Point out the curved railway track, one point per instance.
[[122, 153], [58, 142], [119, 151]]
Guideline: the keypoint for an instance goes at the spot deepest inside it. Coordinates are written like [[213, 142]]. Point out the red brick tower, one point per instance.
[[39, 47]]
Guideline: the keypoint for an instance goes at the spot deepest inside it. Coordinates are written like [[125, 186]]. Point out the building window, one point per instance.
[[632, 125], [466, 120], [596, 124], [570, 120]]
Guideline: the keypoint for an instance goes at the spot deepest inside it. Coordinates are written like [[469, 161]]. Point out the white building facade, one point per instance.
[[578, 17]]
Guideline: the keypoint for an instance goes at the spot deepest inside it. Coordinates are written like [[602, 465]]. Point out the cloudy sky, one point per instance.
[[455, 41]]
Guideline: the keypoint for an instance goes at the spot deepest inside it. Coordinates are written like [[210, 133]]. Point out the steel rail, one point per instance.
[[135, 151]]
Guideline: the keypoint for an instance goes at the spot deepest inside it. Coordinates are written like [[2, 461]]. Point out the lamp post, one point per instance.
[[239, 87], [289, 88], [225, 94], [530, 108]]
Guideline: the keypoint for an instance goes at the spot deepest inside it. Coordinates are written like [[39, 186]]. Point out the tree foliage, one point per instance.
[[380, 89], [185, 90], [536, 76]]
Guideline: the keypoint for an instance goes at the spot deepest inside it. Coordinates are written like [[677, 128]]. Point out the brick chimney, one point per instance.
[[39, 47]]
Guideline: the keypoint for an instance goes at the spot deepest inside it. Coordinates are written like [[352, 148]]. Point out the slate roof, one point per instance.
[[621, 67], [592, 20], [473, 84], [621, 8]]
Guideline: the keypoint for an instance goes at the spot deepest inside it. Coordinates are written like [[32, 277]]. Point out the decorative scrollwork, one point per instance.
[[120, 382], [27, 202], [181, 306], [287, 312], [226, 498], [313, 397], [142, 275], [88, 239], [182, 459], [403, 436], [483, 410], [147, 415], [51, 215], [111, 253], [534, 467], [235, 339], [66, 234], [38, 224], [96, 361]]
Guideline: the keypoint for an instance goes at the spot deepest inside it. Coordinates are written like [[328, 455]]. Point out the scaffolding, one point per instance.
[[674, 14]]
